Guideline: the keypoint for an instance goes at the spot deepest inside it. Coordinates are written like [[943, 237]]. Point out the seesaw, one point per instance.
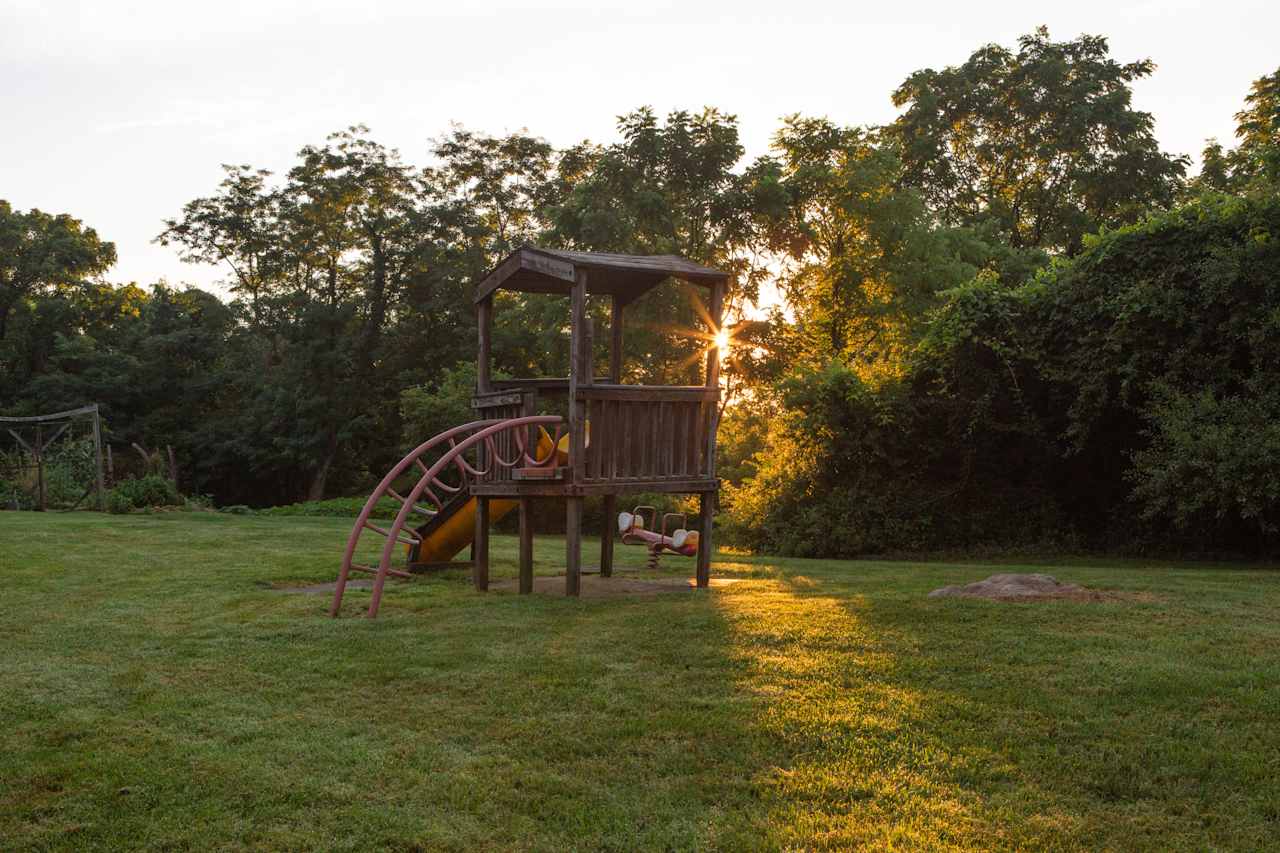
[[678, 540]]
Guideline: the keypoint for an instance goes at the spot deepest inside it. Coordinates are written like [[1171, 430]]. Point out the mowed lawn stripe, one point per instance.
[[160, 692]]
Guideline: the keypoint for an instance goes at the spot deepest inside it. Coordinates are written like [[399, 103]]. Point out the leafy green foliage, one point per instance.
[[984, 337], [426, 411], [1123, 396], [142, 493], [1043, 142], [1255, 162], [1211, 462], [334, 508], [40, 253]]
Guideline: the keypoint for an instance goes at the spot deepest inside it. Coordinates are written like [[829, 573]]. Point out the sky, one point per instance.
[[120, 112]]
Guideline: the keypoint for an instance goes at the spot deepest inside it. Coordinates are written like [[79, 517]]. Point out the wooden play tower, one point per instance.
[[621, 438]]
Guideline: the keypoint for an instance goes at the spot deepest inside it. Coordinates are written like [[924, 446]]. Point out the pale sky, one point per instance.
[[119, 112]]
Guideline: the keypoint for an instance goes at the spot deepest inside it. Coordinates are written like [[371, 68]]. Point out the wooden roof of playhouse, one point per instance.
[[531, 269]]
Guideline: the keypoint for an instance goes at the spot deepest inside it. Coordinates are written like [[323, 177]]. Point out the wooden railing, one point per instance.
[[642, 432], [502, 404]]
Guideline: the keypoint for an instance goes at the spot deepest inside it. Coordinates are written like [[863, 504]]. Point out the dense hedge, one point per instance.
[[1123, 398]]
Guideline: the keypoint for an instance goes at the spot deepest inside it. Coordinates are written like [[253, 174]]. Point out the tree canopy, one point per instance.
[[1042, 141], [1006, 318]]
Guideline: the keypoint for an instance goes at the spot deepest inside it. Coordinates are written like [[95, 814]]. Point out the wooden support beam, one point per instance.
[[579, 375], [28, 447], [480, 570], [573, 546], [526, 546], [713, 378], [716, 313], [706, 505], [484, 361], [51, 439], [55, 416], [606, 535], [615, 341]]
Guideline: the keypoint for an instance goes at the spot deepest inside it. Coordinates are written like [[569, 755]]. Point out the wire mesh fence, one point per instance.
[[52, 461]]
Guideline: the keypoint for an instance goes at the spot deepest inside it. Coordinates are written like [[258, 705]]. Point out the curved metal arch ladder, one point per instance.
[[451, 445]]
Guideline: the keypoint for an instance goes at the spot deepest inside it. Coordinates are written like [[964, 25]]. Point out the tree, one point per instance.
[[861, 260], [667, 187], [496, 188], [237, 228], [40, 253], [1255, 161], [1044, 142], [1152, 328], [318, 264]]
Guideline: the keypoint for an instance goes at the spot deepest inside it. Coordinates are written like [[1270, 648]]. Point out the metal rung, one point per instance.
[[376, 529], [429, 513], [373, 571]]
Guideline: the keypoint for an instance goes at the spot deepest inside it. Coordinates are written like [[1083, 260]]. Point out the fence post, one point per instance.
[[39, 449], [97, 456]]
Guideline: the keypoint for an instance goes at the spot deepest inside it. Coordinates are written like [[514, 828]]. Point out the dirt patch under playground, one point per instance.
[[594, 586]]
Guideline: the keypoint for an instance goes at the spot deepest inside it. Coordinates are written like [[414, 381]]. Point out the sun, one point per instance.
[[722, 341]]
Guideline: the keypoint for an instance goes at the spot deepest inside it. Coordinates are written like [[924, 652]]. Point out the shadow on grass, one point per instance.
[[156, 697]]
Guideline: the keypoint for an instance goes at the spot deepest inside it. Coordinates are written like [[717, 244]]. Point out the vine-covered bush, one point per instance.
[[1122, 398], [141, 493]]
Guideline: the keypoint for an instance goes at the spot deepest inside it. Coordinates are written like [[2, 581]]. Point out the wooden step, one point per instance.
[[542, 472]]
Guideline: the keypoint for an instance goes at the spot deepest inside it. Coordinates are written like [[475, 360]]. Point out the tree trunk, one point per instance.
[[377, 304], [316, 490]]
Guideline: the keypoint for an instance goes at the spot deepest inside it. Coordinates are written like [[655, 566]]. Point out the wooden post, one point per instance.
[[484, 326], [526, 546], [97, 455], [716, 311], [706, 505], [713, 377], [615, 341], [573, 546], [606, 535], [480, 568], [173, 466], [39, 448], [111, 465], [579, 374]]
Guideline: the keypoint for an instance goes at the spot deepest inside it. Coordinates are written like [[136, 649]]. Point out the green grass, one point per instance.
[[155, 693]]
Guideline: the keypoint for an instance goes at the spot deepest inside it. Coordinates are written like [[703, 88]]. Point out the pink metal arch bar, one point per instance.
[[475, 433]]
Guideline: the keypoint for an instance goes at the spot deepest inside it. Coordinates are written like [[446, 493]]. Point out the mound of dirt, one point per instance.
[[1016, 587]]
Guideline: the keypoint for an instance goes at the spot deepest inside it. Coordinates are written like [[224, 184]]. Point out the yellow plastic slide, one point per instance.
[[458, 530]]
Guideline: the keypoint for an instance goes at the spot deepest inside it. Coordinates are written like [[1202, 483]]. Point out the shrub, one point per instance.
[[148, 491], [335, 508]]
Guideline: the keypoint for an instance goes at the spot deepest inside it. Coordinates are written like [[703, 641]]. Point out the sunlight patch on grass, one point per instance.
[[160, 692]]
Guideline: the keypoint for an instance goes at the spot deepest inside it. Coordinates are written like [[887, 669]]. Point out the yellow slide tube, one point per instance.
[[459, 529]]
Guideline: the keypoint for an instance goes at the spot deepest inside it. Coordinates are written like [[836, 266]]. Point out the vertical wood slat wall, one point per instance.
[[646, 439]]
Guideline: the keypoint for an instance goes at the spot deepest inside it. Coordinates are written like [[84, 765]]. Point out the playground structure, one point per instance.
[[36, 434], [641, 438]]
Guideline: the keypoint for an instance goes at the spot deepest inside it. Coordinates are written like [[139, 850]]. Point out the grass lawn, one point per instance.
[[156, 693]]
